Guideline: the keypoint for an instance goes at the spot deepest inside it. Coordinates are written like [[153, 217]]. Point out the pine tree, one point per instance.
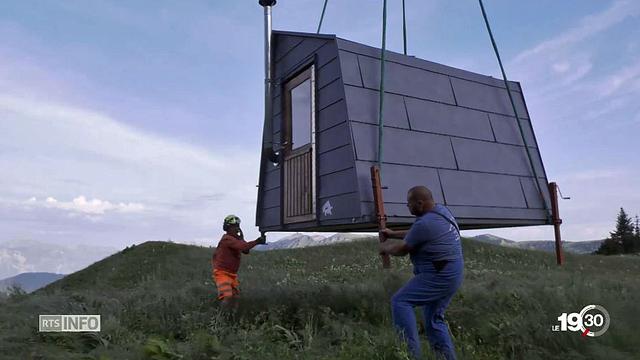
[[623, 239], [624, 233], [637, 233]]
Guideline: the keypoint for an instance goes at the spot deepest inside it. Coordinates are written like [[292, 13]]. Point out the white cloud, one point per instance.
[[561, 67], [82, 205], [620, 79], [597, 174], [553, 65], [58, 151], [588, 26]]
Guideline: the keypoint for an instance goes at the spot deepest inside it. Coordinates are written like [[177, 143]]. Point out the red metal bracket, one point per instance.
[[380, 215], [553, 191]]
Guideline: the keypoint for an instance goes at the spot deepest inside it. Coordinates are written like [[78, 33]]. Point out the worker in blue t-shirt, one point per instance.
[[433, 243]]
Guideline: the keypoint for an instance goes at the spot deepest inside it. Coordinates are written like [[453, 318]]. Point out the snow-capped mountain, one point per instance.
[[492, 239], [299, 240]]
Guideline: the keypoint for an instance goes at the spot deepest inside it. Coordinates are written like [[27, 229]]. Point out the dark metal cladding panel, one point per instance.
[[350, 69], [532, 194], [332, 115], [271, 216], [337, 183], [440, 118], [487, 98], [397, 179], [497, 213], [507, 131], [271, 198], [545, 193], [326, 53], [284, 44], [367, 208], [358, 48], [403, 146], [537, 162], [344, 206], [350, 46], [328, 73], [277, 107], [330, 94], [363, 105], [480, 189], [299, 54], [277, 122], [406, 80], [493, 157], [271, 180], [335, 160], [397, 210], [332, 138]]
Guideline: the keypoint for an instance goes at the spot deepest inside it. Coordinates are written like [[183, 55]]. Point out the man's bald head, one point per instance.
[[420, 200]]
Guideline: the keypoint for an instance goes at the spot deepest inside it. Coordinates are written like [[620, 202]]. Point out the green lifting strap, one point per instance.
[[381, 109], [513, 104], [322, 16]]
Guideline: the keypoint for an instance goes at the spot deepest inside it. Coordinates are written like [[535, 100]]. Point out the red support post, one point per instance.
[[380, 215], [553, 191]]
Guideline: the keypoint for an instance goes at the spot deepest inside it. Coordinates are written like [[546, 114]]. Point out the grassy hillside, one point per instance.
[[157, 301]]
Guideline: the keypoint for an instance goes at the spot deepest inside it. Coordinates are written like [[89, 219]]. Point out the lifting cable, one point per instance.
[[513, 104], [382, 66], [382, 61], [322, 16]]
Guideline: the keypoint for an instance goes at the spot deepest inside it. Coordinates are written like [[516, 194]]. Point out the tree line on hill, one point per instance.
[[625, 239]]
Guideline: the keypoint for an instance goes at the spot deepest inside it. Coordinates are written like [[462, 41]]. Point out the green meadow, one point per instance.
[[157, 301]]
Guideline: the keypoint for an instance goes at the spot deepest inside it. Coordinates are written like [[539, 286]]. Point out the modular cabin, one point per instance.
[[451, 130]]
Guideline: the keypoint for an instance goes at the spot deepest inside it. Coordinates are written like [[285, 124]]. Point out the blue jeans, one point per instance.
[[432, 291]]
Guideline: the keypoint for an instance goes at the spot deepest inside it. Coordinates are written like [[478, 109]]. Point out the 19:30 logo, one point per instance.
[[592, 321]]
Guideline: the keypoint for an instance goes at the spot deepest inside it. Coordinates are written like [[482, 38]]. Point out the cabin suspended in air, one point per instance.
[[451, 130]]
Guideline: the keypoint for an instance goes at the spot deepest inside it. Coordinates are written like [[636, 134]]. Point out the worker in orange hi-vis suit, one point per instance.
[[226, 259]]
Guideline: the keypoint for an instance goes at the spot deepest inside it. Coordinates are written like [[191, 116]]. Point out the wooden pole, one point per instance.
[[553, 191], [380, 215]]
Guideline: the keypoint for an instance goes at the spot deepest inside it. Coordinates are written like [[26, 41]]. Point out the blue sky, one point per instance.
[[131, 121]]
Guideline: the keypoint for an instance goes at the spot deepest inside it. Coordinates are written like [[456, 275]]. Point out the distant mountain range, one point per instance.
[[577, 247], [299, 240], [23, 256], [29, 281], [19, 257]]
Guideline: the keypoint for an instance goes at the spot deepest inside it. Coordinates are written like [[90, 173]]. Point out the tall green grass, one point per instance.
[[157, 301]]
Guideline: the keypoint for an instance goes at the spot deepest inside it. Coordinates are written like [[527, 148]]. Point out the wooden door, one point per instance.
[[299, 148]]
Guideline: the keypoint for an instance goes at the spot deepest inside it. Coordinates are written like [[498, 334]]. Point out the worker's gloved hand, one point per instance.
[[386, 233], [261, 240]]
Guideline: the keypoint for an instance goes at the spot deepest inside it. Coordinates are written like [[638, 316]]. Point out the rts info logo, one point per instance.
[[592, 320]]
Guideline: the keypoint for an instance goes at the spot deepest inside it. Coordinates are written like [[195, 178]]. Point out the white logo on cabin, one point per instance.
[[327, 209]]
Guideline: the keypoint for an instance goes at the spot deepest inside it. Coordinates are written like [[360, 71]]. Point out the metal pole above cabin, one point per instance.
[[267, 134], [267, 4]]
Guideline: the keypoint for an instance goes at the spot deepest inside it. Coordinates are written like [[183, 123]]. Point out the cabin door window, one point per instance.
[[299, 146]]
